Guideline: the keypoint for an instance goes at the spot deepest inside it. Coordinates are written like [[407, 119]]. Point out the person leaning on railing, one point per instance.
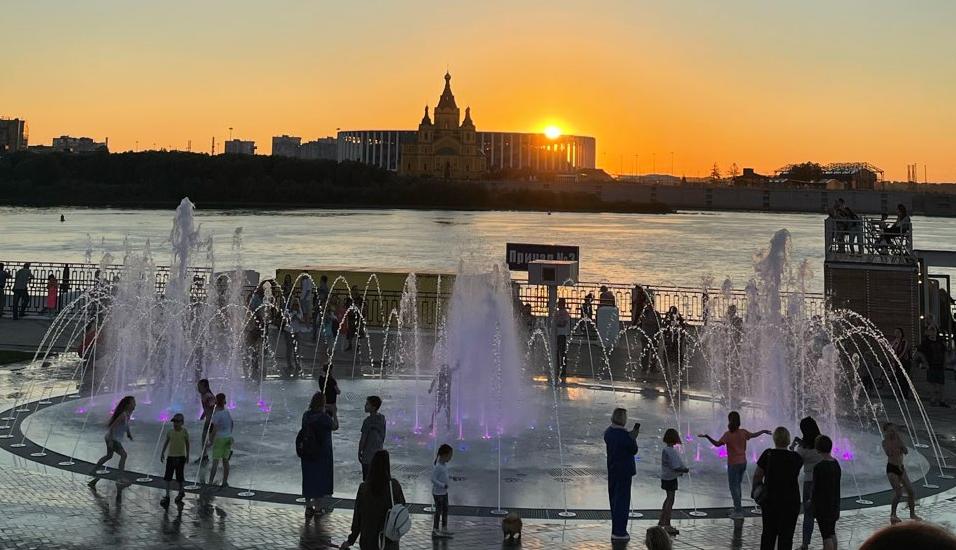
[[900, 232]]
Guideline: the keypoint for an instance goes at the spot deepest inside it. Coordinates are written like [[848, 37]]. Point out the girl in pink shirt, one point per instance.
[[735, 438]]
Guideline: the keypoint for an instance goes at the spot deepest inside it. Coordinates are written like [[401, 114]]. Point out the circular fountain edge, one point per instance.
[[62, 462]]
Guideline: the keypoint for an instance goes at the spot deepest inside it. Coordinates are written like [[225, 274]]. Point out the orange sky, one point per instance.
[[757, 83]]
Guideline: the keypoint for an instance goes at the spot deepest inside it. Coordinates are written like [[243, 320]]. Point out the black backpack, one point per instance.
[[307, 445]]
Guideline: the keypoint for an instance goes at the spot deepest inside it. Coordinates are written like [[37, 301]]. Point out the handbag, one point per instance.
[[759, 492], [397, 521]]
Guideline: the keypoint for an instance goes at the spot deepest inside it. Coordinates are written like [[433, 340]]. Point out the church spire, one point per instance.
[[426, 119], [447, 99], [467, 123]]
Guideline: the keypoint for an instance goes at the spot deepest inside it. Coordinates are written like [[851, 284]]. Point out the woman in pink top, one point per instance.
[[735, 438]]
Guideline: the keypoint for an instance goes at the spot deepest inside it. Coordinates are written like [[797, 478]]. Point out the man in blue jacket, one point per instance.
[[621, 448]]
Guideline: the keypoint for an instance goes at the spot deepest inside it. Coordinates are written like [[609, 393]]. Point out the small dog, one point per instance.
[[511, 527]]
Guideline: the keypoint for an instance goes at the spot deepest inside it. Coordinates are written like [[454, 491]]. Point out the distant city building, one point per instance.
[[71, 144], [240, 147], [433, 147], [850, 175], [286, 146], [446, 148], [321, 149], [14, 135]]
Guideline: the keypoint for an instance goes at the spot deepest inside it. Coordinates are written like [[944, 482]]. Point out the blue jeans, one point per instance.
[[735, 476], [807, 512], [619, 495]]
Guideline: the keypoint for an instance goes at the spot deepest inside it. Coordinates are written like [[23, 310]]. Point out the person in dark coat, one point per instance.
[[317, 471], [375, 496], [621, 448]]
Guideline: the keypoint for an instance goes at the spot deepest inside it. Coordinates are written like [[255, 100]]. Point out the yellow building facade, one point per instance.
[[446, 148]]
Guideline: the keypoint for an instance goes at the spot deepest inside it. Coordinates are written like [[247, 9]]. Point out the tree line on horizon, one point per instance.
[[162, 179]]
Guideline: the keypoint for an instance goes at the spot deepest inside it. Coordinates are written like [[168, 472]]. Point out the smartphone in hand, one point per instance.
[[637, 427]]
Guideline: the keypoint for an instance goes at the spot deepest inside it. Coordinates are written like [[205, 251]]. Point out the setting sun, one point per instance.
[[552, 132]]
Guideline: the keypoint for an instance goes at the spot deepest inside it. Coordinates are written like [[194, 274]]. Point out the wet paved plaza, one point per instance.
[[46, 507]]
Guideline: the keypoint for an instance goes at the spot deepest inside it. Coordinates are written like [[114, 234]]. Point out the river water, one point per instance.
[[673, 249]]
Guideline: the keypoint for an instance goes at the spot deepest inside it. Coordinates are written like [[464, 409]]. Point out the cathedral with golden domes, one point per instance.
[[446, 148]]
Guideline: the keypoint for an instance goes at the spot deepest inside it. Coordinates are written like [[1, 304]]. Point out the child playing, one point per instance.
[[177, 441], [221, 435], [672, 466], [440, 491], [826, 492], [116, 428], [895, 450], [736, 439]]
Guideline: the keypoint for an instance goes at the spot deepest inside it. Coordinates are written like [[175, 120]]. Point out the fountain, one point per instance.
[[478, 381]]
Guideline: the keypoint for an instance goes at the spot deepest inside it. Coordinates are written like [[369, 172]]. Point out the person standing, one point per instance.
[[373, 433], [117, 427], [221, 435], [305, 297], [21, 285], [672, 466], [329, 386], [562, 322], [440, 491], [177, 443], [895, 450], [904, 354], [932, 354], [375, 497], [735, 438], [317, 464], [778, 469], [826, 492], [52, 292], [4, 277], [621, 447], [805, 446], [207, 400]]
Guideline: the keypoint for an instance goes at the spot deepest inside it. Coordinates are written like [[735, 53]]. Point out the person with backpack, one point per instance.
[[314, 447], [380, 517]]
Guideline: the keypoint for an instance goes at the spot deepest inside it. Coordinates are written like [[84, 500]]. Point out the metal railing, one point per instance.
[[71, 280], [693, 304], [868, 239]]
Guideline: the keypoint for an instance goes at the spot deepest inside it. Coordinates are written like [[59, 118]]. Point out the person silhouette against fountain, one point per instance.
[[805, 446], [932, 355], [826, 492], [330, 387], [21, 296], [735, 438], [621, 447], [441, 385], [895, 450], [4, 277], [208, 401], [116, 428], [373, 433], [221, 435]]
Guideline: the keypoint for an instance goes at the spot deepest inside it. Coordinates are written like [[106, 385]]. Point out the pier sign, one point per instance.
[[519, 254]]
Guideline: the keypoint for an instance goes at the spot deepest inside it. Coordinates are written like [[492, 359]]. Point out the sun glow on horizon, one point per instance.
[[552, 132]]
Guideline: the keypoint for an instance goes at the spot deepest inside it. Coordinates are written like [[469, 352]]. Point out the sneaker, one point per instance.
[[164, 502], [447, 533], [620, 538]]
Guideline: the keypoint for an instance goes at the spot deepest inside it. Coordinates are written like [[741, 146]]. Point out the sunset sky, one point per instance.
[[757, 83]]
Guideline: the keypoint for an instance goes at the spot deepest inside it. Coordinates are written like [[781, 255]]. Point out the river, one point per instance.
[[673, 249]]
